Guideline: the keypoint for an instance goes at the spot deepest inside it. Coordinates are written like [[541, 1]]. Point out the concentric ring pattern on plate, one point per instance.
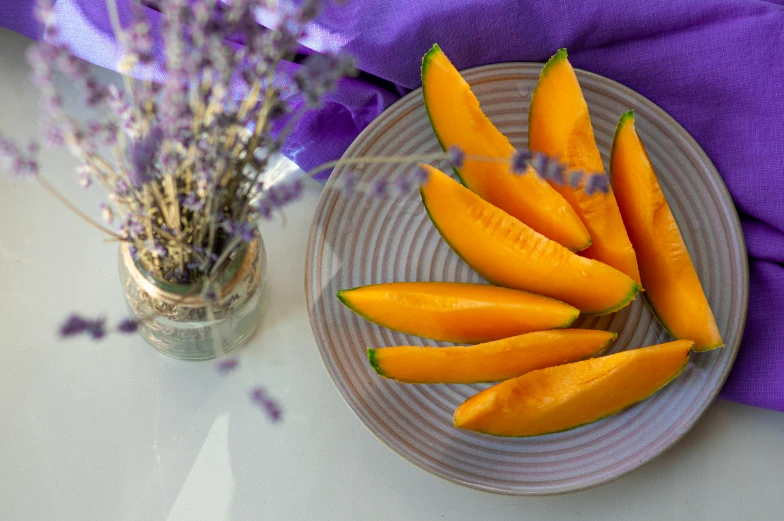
[[358, 239]]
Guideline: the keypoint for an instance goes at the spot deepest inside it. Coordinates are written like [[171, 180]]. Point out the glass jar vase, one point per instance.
[[178, 321]]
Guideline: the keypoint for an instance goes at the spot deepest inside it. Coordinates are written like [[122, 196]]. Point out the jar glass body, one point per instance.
[[178, 321]]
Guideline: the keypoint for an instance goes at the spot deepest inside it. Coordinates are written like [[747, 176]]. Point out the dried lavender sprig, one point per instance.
[[552, 169], [414, 158], [227, 365], [259, 396], [77, 325]]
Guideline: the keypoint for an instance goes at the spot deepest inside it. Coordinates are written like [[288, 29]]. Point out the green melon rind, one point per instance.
[[604, 346], [622, 304], [371, 354], [435, 50], [625, 302], [665, 384], [626, 117], [555, 59]]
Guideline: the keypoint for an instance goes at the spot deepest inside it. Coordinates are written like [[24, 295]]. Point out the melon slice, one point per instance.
[[559, 125], [457, 312], [508, 253], [673, 288], [489, 362], [560, 398]]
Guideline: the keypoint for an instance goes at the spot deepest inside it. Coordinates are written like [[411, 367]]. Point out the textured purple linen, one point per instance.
[[715, 66]]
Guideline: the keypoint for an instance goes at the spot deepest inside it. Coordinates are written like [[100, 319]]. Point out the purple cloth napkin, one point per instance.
[[715, 66]]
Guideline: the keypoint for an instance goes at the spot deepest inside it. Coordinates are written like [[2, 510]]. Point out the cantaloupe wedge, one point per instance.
[[508, 253], [456, 312], [559, 126], [458, 120], [673, 288], [489, 362], [567, 396]]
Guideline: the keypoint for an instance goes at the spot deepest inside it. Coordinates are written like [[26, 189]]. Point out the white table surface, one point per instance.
[[113, 430]]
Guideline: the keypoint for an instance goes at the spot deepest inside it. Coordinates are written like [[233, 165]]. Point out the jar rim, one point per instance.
[[237, 269]]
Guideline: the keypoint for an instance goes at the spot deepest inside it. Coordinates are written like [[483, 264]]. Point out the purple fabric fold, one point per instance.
[[714, 65]]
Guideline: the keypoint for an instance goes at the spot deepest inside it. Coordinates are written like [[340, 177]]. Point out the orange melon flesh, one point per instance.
[[560, 398], [508, 253], [489, 362], [458, 120], [559, 126], [456, 312], [672, 287]]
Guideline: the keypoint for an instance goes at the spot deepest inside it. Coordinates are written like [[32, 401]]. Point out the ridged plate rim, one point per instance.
[[389, 118]]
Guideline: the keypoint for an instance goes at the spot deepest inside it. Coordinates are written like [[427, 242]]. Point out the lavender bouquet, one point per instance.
[[183, 157], [186, 157]]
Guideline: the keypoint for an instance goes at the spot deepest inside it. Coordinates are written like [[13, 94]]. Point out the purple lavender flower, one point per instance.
[[227, 365], [110, 133], [241, 229], [402, 184], [121, 109], [194, 265], [128, 325], [576, 179], [94, 92], [121, 188], [539, 163], [51, 32], [134, 226], [349, 183], [420, 175], [97, 328], [554, 171], [73, 67], [76, 325], [283, 193], [456, 156], [520, 161], [379, 188], [320, 74], [142, 155], [193, 203], [277, 196], [264, 209], [52, 135], [157, 249], [210, 294], [23, 164], [258, 395], [141, 36], [93, 129], [597, 182], [7, 147]]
